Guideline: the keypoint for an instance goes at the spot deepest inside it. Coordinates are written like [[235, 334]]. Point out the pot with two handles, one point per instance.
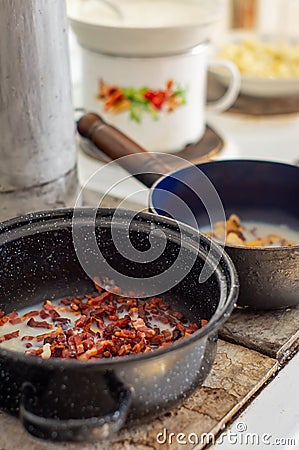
[[51, 255]]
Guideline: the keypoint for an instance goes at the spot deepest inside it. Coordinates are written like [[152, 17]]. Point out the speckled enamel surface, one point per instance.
[[236, 375]]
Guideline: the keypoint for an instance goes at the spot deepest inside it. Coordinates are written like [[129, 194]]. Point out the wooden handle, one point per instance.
[[145, 166]]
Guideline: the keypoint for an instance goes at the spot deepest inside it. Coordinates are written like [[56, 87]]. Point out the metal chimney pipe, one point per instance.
[[37, 128]]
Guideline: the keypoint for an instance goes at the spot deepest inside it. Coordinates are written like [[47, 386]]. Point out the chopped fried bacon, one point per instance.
[[27, 338], [63, 321], [15, 321], [29, 315], [13, 315], [41, 337], [101, 324], [8, 336], [48, 306], [3, 320], [35, 324], [65, 301], [35, 352], [43, 314], [81, 321]]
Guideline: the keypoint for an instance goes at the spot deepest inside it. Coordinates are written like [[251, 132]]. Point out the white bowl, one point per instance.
[[259, 86]]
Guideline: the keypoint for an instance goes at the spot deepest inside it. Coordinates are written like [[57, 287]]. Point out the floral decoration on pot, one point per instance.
[[119, 99]]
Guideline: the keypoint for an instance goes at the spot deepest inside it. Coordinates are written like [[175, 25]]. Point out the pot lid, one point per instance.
[[142, 27]]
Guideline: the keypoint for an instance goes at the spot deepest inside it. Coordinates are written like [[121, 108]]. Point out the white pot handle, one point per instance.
[[233, 89]]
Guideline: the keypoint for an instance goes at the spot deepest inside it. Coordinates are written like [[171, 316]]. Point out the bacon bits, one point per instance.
[[8, 336], [35, 324], [100, 325]]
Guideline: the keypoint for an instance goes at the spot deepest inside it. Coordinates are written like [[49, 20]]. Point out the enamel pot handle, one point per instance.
[[90, 429], [233, 90]]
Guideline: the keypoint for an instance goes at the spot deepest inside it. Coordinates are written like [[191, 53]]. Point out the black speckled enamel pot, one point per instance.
[[75, 400], [260, 191]]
